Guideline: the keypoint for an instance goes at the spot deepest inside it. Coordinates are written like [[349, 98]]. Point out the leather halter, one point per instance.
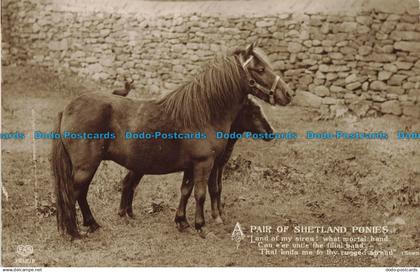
[[254, 85]]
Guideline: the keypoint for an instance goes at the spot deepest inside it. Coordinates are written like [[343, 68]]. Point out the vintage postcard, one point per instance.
[[274, 133]]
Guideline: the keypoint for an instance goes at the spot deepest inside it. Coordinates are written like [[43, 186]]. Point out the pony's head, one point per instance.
[[225, 81], [251, 118], [262, 81]]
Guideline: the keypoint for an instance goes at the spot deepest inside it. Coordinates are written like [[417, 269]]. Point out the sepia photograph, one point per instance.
[[222, 133]]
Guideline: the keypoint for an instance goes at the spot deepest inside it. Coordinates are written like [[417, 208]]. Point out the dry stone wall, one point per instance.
[[365, 60]]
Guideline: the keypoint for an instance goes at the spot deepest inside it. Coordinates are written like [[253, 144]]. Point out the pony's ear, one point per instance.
[[249, 49]]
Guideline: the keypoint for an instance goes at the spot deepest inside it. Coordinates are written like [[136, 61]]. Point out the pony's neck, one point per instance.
[[230, 114], [213, 97]]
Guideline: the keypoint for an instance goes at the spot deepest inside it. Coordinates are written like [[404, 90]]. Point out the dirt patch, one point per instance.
[[297, 182]]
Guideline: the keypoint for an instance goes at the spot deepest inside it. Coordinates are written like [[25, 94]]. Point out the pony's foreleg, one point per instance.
[[201, 174], [129, 184], [214, 195], [186, 189]]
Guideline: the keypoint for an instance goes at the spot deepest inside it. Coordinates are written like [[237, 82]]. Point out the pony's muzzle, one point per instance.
[[284, 97]]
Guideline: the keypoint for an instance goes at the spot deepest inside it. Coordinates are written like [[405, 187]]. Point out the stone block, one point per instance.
[[392, 107], [307, 99]]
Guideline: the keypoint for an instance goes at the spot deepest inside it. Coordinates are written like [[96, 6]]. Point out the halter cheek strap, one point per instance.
[[245, 63], [255, 85]]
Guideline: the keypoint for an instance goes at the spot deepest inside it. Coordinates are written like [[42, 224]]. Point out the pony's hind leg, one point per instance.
[[129, 184], [82, 179], [186, 189]]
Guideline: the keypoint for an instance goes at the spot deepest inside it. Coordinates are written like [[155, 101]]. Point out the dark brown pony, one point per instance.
[[209, 103], [249, 119]]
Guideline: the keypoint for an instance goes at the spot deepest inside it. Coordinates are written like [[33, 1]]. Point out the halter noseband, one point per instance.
[[255, 85]]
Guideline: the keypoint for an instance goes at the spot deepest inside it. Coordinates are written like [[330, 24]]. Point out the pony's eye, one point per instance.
[[261, 70]]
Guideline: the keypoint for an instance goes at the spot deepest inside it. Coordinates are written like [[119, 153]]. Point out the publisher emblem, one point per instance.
[[237, 234], [24, 250]]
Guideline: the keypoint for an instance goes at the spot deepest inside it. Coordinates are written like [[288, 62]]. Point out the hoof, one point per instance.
[[182, 225], [218, 220], [202, 233], [126, 211], [122, 212], [93, 227], [130, 213], [76, 236]]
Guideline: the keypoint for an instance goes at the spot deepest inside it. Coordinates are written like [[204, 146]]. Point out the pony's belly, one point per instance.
[[157, 167], [150, 171], [151, 158]]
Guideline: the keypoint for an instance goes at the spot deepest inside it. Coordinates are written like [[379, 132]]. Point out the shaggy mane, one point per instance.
[[206, 98]]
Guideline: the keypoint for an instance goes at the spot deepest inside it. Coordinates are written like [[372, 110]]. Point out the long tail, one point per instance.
[[64, 188]]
